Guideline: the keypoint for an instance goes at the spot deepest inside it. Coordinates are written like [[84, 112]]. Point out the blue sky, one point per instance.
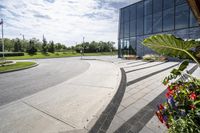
[[65, 21]]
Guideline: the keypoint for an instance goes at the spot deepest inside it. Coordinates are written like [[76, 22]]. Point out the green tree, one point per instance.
[[31, 49], [8, 45], [44, 46], [17, 46], [51, 47], [58, 47]]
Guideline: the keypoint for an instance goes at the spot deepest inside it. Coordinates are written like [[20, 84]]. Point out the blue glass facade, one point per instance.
[[149, 17]]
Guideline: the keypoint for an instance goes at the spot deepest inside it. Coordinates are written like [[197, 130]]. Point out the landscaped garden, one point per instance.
[[6, 66], [40, 55]]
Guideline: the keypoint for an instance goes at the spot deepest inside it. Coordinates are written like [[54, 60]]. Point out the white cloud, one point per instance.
[[65, 21]]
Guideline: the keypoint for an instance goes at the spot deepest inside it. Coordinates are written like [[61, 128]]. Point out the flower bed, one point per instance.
[[181, 111]]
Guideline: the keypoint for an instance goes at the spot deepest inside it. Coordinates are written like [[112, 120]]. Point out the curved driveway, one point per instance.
[[50, 72]]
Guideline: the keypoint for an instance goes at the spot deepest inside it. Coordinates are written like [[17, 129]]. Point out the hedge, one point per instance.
[[9, 54]]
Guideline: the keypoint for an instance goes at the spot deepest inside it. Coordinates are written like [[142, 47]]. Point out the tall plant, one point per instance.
[[181, 111], [170, 45]]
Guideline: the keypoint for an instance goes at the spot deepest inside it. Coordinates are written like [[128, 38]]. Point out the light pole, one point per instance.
[[2, 40], [22, 36]]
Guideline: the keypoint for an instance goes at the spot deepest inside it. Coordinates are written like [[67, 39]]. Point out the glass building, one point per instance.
[[148, 17]]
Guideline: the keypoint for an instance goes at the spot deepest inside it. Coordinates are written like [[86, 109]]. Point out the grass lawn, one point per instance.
[[18, 65], [56, 55]]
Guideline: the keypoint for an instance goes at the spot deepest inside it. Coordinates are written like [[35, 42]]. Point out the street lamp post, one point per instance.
[[2, 40]]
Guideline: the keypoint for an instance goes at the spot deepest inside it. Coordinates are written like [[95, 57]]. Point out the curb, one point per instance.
[[13, 70], [14, 62], [105, 119]]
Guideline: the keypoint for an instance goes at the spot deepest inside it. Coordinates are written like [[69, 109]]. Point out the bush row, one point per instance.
[[9, 54]]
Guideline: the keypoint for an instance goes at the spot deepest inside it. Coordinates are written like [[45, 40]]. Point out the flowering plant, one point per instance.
[[181, 111]]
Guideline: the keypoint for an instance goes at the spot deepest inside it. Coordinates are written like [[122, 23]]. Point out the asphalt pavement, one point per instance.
[[49, 72]]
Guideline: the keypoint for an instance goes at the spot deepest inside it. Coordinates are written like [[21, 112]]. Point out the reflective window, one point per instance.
[[140, 26], [126, 14], [126, 47], [126, 29], [140, 12], [147, 7], [182, 16], [168, 4], [121, 45], [121, 16], [193, 20], [168, 19], [157, 22], [121, 31], [178, 2], [148, 24], [140, 47], [132, 12], [126, 44], [133, 43], [133, 28], [157, 6]]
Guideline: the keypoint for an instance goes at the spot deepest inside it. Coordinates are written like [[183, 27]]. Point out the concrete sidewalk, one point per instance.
[[72, 106], [144, 91]]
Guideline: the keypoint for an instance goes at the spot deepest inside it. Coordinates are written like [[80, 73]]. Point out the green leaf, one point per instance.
[[196, 102], [166, 44], [183, 65], [176, 72]]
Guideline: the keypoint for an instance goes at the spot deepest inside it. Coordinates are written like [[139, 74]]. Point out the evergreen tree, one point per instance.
[[51, 47], [31, 50], [17, 46], [44, 45]]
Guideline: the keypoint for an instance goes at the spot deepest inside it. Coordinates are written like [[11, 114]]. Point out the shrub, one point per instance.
[[57, 54], [150, 57], [9, 54], [31, 50]]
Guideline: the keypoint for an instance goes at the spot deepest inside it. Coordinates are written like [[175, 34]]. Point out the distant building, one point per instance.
[[149, 17]]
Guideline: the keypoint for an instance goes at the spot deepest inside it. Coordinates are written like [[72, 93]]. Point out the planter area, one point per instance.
[[10, 66]]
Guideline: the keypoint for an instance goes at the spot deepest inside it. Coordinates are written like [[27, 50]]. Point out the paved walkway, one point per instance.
[[71, 106], [144, 91]]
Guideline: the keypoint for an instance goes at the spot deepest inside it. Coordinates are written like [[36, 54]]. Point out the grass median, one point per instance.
[[57, 55], [18, 65]]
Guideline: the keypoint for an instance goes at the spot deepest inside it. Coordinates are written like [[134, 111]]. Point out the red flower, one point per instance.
[[193, 96], [168, 88], [161, 107], [176, 87], [167, 125], [171, 92], [192, 107], [167, 95], [159, 115]]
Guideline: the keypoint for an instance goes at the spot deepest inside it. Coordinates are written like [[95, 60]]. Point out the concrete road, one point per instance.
[[50, 72]]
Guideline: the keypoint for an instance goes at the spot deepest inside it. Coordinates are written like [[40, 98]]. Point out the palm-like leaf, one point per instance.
[[169, 45]]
